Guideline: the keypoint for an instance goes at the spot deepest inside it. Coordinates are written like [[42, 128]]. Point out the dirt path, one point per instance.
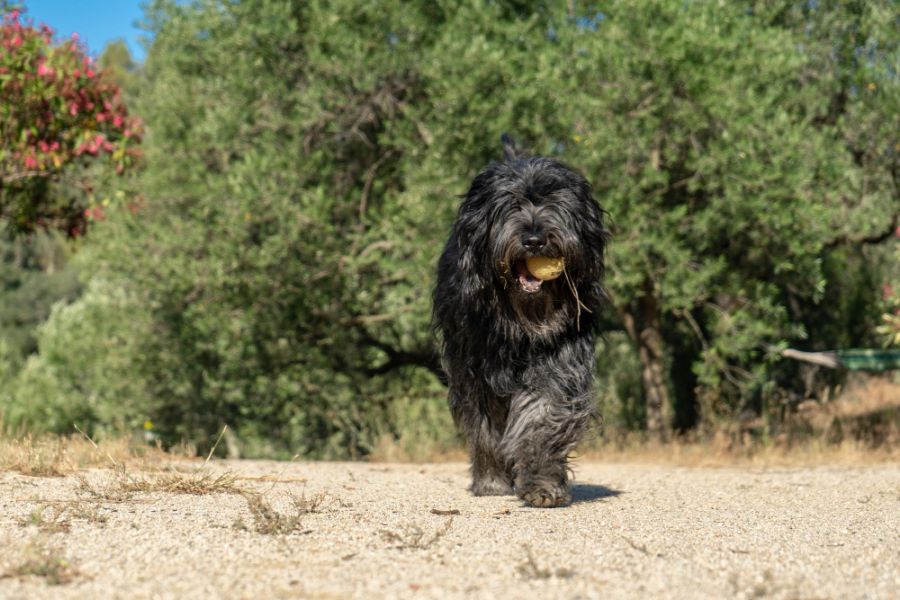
[[385, 530]]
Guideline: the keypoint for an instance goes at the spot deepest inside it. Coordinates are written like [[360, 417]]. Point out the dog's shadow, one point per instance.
[[589, 492]]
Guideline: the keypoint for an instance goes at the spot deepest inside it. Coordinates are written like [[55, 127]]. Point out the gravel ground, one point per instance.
[[362, 530]]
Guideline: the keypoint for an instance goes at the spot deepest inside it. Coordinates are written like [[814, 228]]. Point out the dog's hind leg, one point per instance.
[[541, 431]]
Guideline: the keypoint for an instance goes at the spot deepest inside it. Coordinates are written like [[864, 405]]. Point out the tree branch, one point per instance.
[[402, 358], [875, 238]]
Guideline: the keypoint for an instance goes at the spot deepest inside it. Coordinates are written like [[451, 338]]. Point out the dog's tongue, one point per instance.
[[529, 282]]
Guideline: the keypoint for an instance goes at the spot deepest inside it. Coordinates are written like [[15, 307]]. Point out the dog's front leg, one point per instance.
[[490, 473], [542, 429], [483, 420]]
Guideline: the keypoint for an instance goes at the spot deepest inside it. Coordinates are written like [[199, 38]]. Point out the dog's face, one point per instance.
[[535, 207], [535, 213]]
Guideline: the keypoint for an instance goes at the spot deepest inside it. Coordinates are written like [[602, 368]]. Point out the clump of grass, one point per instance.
[[123, 485], [414, 537], [269, 521], [85, 511], [308, 505], [531, 570], [46, 562], [48, 519], [105, 490], [199, 482], [57, 517]]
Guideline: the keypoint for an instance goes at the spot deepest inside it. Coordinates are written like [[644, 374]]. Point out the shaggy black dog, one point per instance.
[[518, 352]]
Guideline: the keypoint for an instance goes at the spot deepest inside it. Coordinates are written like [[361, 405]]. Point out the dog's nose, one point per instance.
[[534, 242]]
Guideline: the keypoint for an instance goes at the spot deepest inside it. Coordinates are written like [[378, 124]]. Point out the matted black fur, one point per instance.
[[518, 353]]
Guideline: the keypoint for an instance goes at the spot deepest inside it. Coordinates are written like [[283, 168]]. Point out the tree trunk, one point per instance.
[[645, 332]]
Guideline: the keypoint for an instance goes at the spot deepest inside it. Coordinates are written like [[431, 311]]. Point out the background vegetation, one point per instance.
[[268, 261]]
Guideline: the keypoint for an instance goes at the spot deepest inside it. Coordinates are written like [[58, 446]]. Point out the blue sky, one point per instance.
[[95, 21]]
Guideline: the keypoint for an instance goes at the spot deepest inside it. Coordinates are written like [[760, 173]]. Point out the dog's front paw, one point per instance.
[[546, 496]]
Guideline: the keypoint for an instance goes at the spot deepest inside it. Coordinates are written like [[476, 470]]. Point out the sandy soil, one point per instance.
[[413, 531]]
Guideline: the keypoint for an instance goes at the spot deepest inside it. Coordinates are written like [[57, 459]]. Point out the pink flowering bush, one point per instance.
[[56, 110]]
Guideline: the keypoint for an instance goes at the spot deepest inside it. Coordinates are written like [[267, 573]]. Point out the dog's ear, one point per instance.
[[595, 236], [472, 232], [510, 152]]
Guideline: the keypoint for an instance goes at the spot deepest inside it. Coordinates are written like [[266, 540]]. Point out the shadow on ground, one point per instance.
[[588, 492]]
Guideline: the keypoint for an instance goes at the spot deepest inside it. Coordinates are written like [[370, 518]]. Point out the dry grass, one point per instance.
[[857, 425], [61, 456], [860, 398], [58, 456], [722, 450], [121, 485], [53, 456], [45, 561], [389, 450], [85, 511], [414, 537], [104, 489], [530, 569], [199, 482], [48, 519], [269, 521], [57, 517], [860, 425]]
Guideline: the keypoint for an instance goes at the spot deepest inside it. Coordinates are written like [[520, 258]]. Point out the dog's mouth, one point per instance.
[[529, 282]]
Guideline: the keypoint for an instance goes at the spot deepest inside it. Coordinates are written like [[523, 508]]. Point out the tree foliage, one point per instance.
[[304, 163], [714, 137]]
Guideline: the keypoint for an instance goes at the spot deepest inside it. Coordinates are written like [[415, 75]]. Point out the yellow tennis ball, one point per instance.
[[544, 267]]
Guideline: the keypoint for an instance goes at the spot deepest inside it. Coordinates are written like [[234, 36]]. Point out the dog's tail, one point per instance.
[[510, 152]]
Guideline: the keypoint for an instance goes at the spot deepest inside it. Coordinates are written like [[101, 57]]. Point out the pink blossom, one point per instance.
[[89, 73], [30, 162], [94, 214], [101, 117], [118, 121], [73, 109], [16, 41], [44, 71]]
